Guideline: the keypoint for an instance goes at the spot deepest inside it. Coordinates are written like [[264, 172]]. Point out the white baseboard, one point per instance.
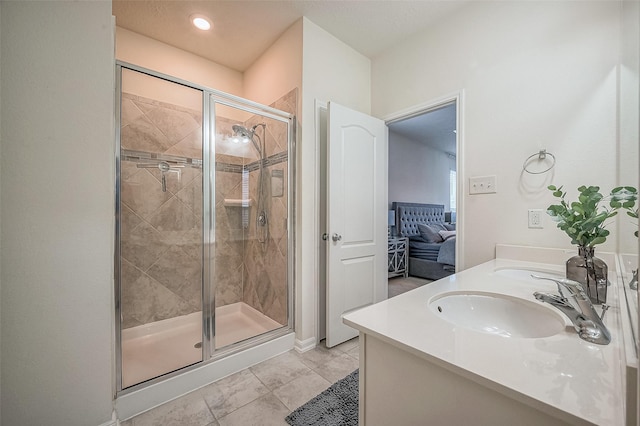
[[113, 422], [304, 345]]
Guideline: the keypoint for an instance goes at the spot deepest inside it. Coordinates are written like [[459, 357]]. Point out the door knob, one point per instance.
[[336, 237]]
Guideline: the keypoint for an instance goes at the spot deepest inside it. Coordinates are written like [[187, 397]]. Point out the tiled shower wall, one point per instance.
[[161, 231], [161, 238], [265, 264]]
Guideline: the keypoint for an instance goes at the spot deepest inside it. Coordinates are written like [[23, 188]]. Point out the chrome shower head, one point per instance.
[[239, 130], [245, 135]]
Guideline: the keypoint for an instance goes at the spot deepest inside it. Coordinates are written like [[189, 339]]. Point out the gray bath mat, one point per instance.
[[336, 406]]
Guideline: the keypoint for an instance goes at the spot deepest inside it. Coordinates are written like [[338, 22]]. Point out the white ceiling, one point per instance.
[[243, 29], [434, 128]]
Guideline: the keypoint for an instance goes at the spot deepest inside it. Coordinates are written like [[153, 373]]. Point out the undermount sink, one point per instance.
[[497, 314]]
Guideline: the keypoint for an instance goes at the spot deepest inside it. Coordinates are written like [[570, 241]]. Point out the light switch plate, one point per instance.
[[482, 185]]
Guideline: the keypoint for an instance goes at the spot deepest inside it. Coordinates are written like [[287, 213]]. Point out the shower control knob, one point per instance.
[[336, 237]]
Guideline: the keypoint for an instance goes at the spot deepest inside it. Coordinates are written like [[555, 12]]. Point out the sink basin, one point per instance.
[[497, 314]]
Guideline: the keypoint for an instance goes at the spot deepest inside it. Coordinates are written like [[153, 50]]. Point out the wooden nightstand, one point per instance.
[[398, 250]]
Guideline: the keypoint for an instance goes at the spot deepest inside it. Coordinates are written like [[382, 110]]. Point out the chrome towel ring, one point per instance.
[[540, 156]]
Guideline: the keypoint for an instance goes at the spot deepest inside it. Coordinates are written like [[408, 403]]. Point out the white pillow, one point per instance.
[[447, 234]]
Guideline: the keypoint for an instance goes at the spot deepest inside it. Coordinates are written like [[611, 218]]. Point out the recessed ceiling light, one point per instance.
[[201, 22]]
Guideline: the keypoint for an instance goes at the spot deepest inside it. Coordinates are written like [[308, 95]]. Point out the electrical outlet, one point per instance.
[[535, 218], [482, 185]]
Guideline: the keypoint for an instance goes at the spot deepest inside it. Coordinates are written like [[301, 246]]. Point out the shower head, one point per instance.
[[239, 130], [242, 134]]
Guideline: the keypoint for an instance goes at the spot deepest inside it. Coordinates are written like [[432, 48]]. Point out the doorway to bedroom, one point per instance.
[[424, 190]]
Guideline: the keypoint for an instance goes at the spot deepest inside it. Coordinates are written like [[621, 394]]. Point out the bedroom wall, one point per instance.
[[418, 173], [535, 75], [57, 213]]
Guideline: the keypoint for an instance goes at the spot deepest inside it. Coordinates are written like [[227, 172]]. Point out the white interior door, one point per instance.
[[357, 216]]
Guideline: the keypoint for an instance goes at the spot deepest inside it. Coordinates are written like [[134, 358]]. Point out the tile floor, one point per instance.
[[399, 285], [267, 392], [260, 395]]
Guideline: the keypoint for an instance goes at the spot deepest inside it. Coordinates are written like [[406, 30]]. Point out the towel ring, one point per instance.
[[541, 155]]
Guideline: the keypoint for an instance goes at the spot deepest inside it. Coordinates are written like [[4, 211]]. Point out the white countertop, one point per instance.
[[563, 375]]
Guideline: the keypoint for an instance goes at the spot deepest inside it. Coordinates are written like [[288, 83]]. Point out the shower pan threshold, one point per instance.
[[151, 350]]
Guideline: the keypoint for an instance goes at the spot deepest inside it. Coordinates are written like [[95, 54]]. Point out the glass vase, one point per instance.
[[591, 272]]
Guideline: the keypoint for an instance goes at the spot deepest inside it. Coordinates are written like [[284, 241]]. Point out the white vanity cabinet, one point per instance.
[[417, 368], [405, 388]]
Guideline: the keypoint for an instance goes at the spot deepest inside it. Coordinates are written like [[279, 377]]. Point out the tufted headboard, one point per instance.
[[409, 215]]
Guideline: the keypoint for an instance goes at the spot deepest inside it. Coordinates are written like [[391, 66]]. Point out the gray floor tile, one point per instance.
[[300, 390], [231, 393], [401, 285], [355, 353], [282, 369], [318, 356], [337, 368], [346, 346], [264, 411], [189, 410]]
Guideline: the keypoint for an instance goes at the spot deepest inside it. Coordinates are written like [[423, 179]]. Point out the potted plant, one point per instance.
[[584, 221], [625, 197]]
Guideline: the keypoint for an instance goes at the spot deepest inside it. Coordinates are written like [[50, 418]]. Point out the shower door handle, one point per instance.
[[336, 237]]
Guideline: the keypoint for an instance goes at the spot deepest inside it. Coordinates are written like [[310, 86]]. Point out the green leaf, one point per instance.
[[577, 207]]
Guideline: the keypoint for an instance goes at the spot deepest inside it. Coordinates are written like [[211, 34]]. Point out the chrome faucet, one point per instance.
[[586, 321], [633, 284]]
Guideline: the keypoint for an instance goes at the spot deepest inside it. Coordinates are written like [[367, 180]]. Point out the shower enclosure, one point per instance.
[[203, 224]]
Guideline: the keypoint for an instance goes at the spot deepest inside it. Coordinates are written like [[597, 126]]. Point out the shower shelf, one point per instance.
[[237, 202]]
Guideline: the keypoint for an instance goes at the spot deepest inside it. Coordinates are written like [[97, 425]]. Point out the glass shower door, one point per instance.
[[203, 233], [160, 227], [251, 221]]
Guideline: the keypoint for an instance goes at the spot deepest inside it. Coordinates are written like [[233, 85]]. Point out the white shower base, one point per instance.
[[157, 348]]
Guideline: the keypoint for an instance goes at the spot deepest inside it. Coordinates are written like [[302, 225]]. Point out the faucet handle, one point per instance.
[[604, 311], [574, 287]]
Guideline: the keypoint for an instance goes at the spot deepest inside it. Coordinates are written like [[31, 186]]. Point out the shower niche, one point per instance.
[[203, 244]]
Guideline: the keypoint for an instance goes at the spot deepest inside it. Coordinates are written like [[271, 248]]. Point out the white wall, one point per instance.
[[331, 71], [278, 70], [148, 53], [418, 173], [57, 212], [629, 120], [535, 75], [0, 210]]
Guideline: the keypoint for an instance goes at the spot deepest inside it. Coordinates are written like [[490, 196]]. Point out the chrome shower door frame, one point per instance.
[[227, 100], [209, 99]]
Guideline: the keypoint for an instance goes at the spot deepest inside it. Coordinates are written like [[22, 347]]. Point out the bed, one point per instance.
[[430, 256]]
